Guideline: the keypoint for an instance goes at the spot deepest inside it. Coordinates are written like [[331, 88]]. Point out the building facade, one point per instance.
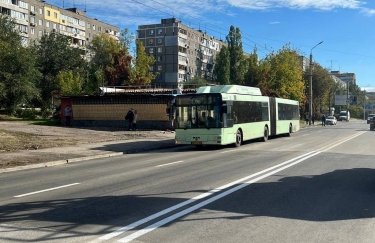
[[347, 78], [181, 53], [36, 17]]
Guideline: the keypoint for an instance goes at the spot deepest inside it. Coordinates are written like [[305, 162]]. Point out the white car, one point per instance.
[[331, 120]]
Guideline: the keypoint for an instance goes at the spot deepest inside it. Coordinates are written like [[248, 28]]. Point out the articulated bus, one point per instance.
[[232, 114]]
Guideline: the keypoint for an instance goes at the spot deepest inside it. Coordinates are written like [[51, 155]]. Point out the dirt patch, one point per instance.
[[21, 135]]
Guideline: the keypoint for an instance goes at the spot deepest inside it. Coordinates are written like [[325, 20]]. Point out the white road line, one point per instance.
[[46, 190], [172, 163], [245, 181], [192, 200], [173, 217]]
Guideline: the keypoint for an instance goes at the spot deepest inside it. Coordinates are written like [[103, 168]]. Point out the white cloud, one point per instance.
[[368, 11], [297, 4], [274, 22], [137, 12]]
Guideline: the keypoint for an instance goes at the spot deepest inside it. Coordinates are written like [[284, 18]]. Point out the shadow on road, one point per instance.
[[338, 195]]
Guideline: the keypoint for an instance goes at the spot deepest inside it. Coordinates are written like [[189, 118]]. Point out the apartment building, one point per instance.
[[345, 77], [181, 53], [35, 17]]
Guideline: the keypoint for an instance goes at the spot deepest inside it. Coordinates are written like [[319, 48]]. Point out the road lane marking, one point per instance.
[[329, 147], [194, 199], [173, 217], [172, 163], [245, 181], [46, 190]]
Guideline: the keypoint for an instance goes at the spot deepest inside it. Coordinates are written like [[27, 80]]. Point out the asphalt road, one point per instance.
[[316, 186]]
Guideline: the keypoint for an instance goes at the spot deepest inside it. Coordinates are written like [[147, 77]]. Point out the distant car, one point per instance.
[[370, 116], [372, 123], [331, 120]]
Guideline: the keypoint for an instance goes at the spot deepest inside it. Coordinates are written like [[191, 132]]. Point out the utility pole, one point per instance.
[[311, 90]]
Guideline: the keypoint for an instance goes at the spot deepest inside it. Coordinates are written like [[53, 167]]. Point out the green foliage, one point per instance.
[[222, 67], [252, 77], [141, 74], [70, 83], [196, 82], [55, 55], [238, 64], [27, 113], [111, 62], [18, 74], [281, 75]]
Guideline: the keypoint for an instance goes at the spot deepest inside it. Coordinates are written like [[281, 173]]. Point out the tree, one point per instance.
[[141, 74], [222, 67], [322, 85], [237, 60], [70, 83], [111, 59], [55, 54], [18, 72], [252, 75], [282, 75]]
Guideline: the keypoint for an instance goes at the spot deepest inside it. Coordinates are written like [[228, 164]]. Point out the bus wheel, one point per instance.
[[265, 135], [238, 138], [290, 130]]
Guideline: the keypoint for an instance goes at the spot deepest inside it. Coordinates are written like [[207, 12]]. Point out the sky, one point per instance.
[[346, 27]]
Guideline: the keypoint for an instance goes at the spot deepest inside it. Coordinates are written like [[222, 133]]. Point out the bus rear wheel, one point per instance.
[[265, 135], [238, 138]]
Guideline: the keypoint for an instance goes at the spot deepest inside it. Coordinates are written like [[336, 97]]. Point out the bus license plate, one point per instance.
[[196, 142]]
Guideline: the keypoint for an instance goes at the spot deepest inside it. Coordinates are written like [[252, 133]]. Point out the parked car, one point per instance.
[[331, 120], [372, 123], [344, 116], [370, 116]]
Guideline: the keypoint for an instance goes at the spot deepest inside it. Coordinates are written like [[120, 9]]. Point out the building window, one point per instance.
[[93, 27], [47, 24], [160, 67], [40, 33], [48, 13], [54, 26], [32, 20], [160, 40], [160, 49], [32, 9], [32, 31], [160, 58], [55, 14], [151, 32], [40, 11], [88, 26], [40, 22], [151, 50], [160, 31], [150, 41]]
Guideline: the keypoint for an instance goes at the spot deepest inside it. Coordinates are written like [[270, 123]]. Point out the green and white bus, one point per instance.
[[231, 114]]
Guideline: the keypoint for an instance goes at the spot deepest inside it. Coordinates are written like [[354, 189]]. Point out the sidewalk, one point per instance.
[[28, 159]]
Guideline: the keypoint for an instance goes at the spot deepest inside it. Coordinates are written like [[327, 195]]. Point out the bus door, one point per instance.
[[273, 115]]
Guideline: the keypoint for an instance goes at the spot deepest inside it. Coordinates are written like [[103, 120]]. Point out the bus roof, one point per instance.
[[229, 89]]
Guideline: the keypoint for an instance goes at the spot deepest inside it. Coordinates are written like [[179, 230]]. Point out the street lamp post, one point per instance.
[[311, 91]]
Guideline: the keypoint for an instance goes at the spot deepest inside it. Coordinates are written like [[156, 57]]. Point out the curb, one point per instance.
[[60, 162], [84, 158]]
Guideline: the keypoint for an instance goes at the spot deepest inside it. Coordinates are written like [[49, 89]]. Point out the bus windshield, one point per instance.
[[199, 111]]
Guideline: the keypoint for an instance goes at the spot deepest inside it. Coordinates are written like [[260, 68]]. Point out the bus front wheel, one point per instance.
[[238, 138]]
